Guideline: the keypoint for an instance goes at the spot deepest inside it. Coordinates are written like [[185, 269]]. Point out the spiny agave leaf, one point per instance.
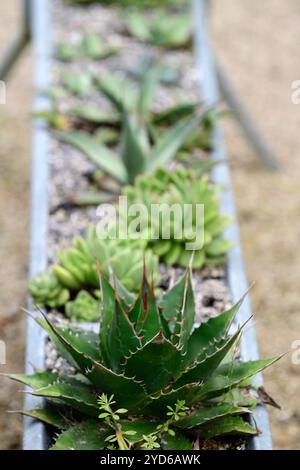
[[136, 310], [99, 154], [167, 397], [89, 198], [148, 324], [211, 331], [127, 392], [117, 335], [208, 364], [172, 140], [95, 115], [225, 426], [121, 93], [208, 414], [46, 415], [148, 84], [80, 397], [231, 375], [88, 435], [171, 302], [122, 338], [127, 298], [178, 309], [82, 351], [87, 340], [141, 427], [174, 114], [155, 364], [177, 442], [186, 317], [57, 343], [37, 380], [132, 152]]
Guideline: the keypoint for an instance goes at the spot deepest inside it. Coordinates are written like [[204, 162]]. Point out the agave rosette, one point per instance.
[[148, 355]]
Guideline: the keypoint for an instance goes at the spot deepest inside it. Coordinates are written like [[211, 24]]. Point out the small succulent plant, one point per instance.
[[77, 269], [183, 187], [47, 290], [90, 46], [85, 308], [150, 378]]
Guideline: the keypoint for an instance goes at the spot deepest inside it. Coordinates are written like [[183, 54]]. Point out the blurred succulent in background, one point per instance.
[[143, 138], [138, 155], [161, 29], [183, 187], [91, 46], [149, 378]]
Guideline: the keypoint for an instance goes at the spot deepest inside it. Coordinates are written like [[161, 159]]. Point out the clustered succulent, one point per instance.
[[47, 290], [77, 270], [85, 308], [149, 379], [183, 186]]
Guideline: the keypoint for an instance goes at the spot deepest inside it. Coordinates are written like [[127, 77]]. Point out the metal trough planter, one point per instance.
[[35, 434]]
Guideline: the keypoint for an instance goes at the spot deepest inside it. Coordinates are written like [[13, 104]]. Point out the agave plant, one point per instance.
[[161, 29], [150, 378], [124, 94], [138, 156], [143, 135], [184, 188], [77, 270], [90, 46]]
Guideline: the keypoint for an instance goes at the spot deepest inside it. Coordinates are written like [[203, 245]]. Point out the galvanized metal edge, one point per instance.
[[35, 436], [209, 92]]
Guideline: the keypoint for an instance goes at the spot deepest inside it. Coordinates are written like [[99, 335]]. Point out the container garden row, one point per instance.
[[168, 368]]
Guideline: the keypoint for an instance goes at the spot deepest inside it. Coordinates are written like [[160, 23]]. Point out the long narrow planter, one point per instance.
[[35, 434]]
